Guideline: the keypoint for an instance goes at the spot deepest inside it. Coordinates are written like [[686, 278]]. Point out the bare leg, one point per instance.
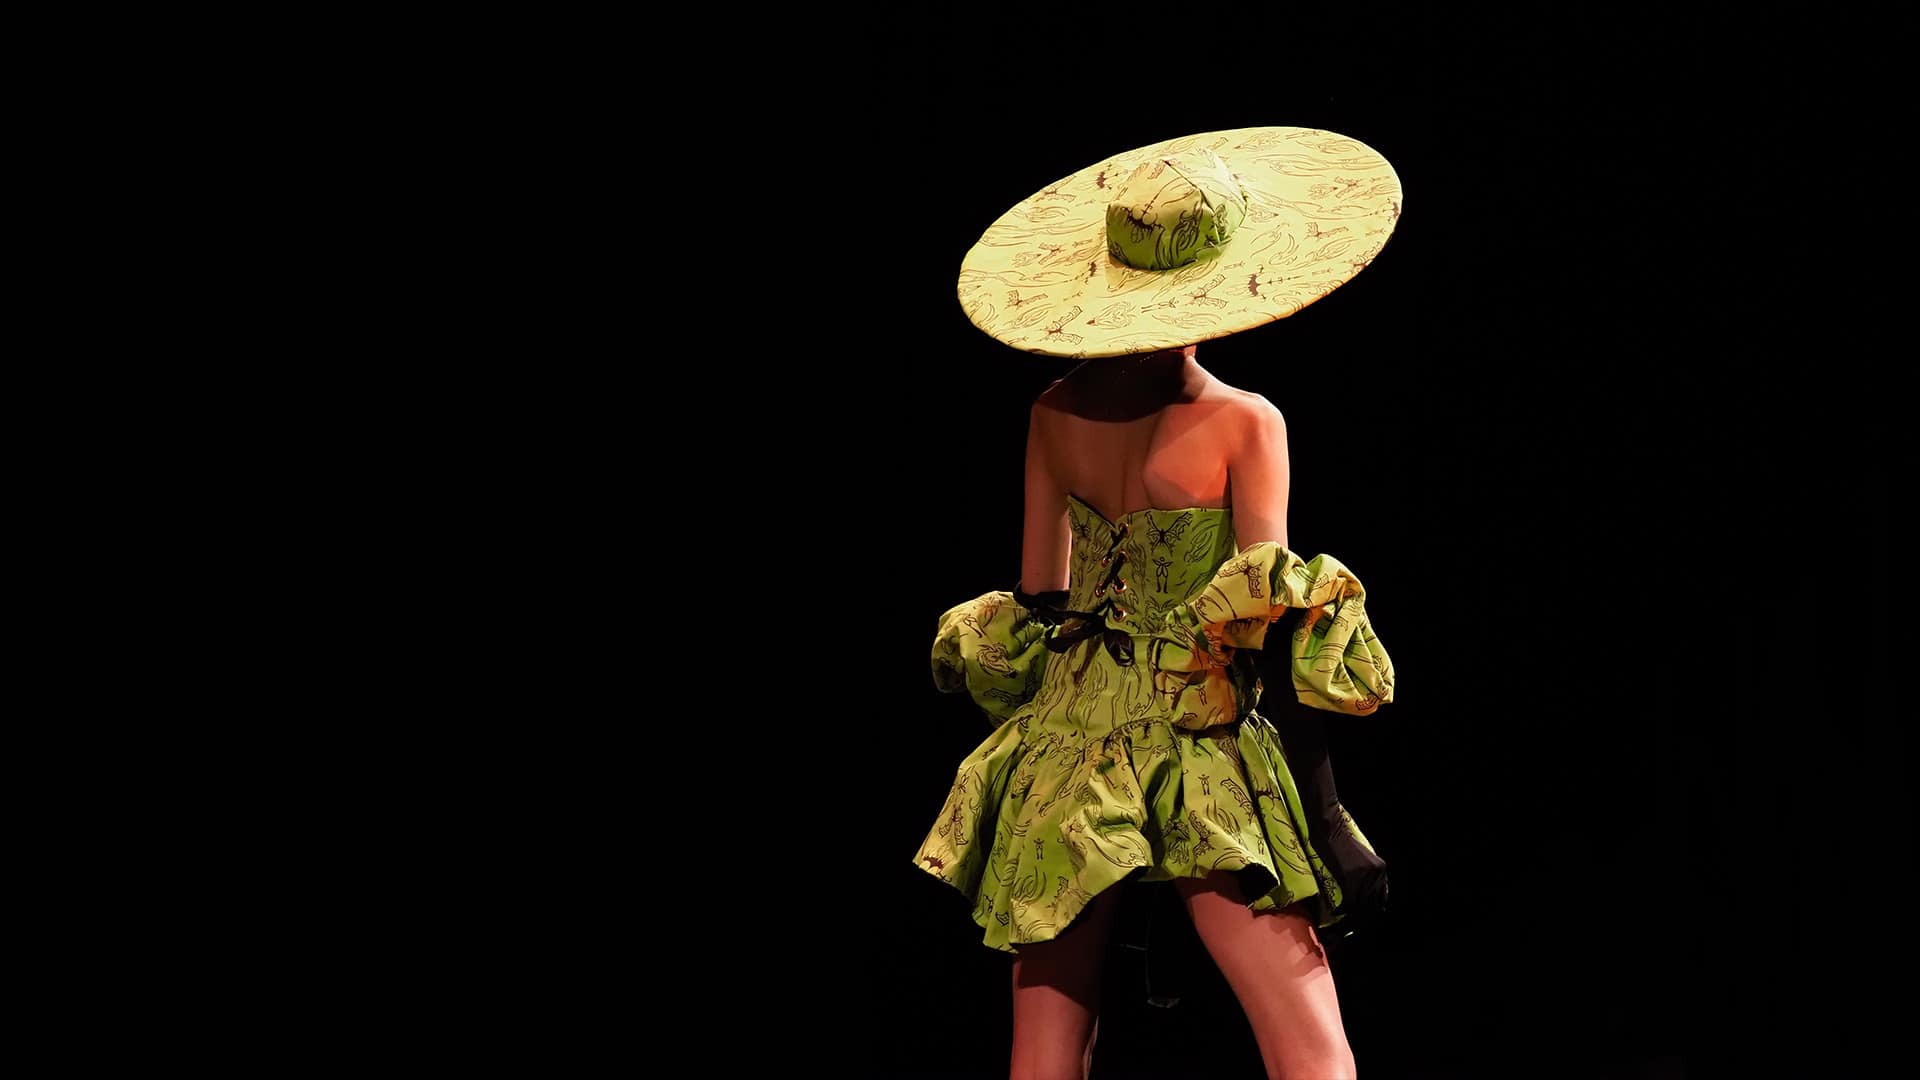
[[1276, 967], [1056, 996]]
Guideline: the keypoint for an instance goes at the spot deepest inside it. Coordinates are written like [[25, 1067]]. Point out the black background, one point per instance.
[[1602, 429]]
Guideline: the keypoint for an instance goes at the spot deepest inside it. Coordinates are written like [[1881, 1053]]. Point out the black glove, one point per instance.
[[1361, 872]]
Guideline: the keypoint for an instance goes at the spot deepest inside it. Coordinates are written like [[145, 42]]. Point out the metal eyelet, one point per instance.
[[1120, 586], [1106, 559]]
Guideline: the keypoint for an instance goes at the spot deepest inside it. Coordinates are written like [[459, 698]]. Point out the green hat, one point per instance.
[[1182, 241]]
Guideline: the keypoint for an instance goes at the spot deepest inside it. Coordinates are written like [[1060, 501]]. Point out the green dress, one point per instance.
[[1126, 741]]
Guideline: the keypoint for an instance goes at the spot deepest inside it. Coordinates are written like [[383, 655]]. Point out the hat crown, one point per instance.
[[1172, 209]]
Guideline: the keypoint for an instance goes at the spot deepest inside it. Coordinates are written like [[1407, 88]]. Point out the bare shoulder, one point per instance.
[[1249, 410], [1054, 399]]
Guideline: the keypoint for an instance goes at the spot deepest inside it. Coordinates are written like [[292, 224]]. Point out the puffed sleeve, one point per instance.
[[994, 648], [1335, 659]]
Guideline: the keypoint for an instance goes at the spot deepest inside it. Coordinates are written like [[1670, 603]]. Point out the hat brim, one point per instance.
[[1320, 207]]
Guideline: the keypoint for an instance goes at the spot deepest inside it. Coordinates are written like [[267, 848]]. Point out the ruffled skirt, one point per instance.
[[1038, 824]]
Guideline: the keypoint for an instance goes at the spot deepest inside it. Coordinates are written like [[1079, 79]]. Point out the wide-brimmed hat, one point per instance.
[[1181, 241]]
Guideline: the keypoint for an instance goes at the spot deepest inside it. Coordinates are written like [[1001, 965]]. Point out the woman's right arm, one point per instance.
[[1259, 475]]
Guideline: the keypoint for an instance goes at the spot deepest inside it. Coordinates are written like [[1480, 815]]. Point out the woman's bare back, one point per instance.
[[1142, 433], [1172, 458]]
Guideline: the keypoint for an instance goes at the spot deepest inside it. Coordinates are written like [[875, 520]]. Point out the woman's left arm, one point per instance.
[[1045, 538]]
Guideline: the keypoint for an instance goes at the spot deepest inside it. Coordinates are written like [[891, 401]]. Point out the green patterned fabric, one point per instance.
[[1136, 749], [1336, 661], [1172, 208]]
